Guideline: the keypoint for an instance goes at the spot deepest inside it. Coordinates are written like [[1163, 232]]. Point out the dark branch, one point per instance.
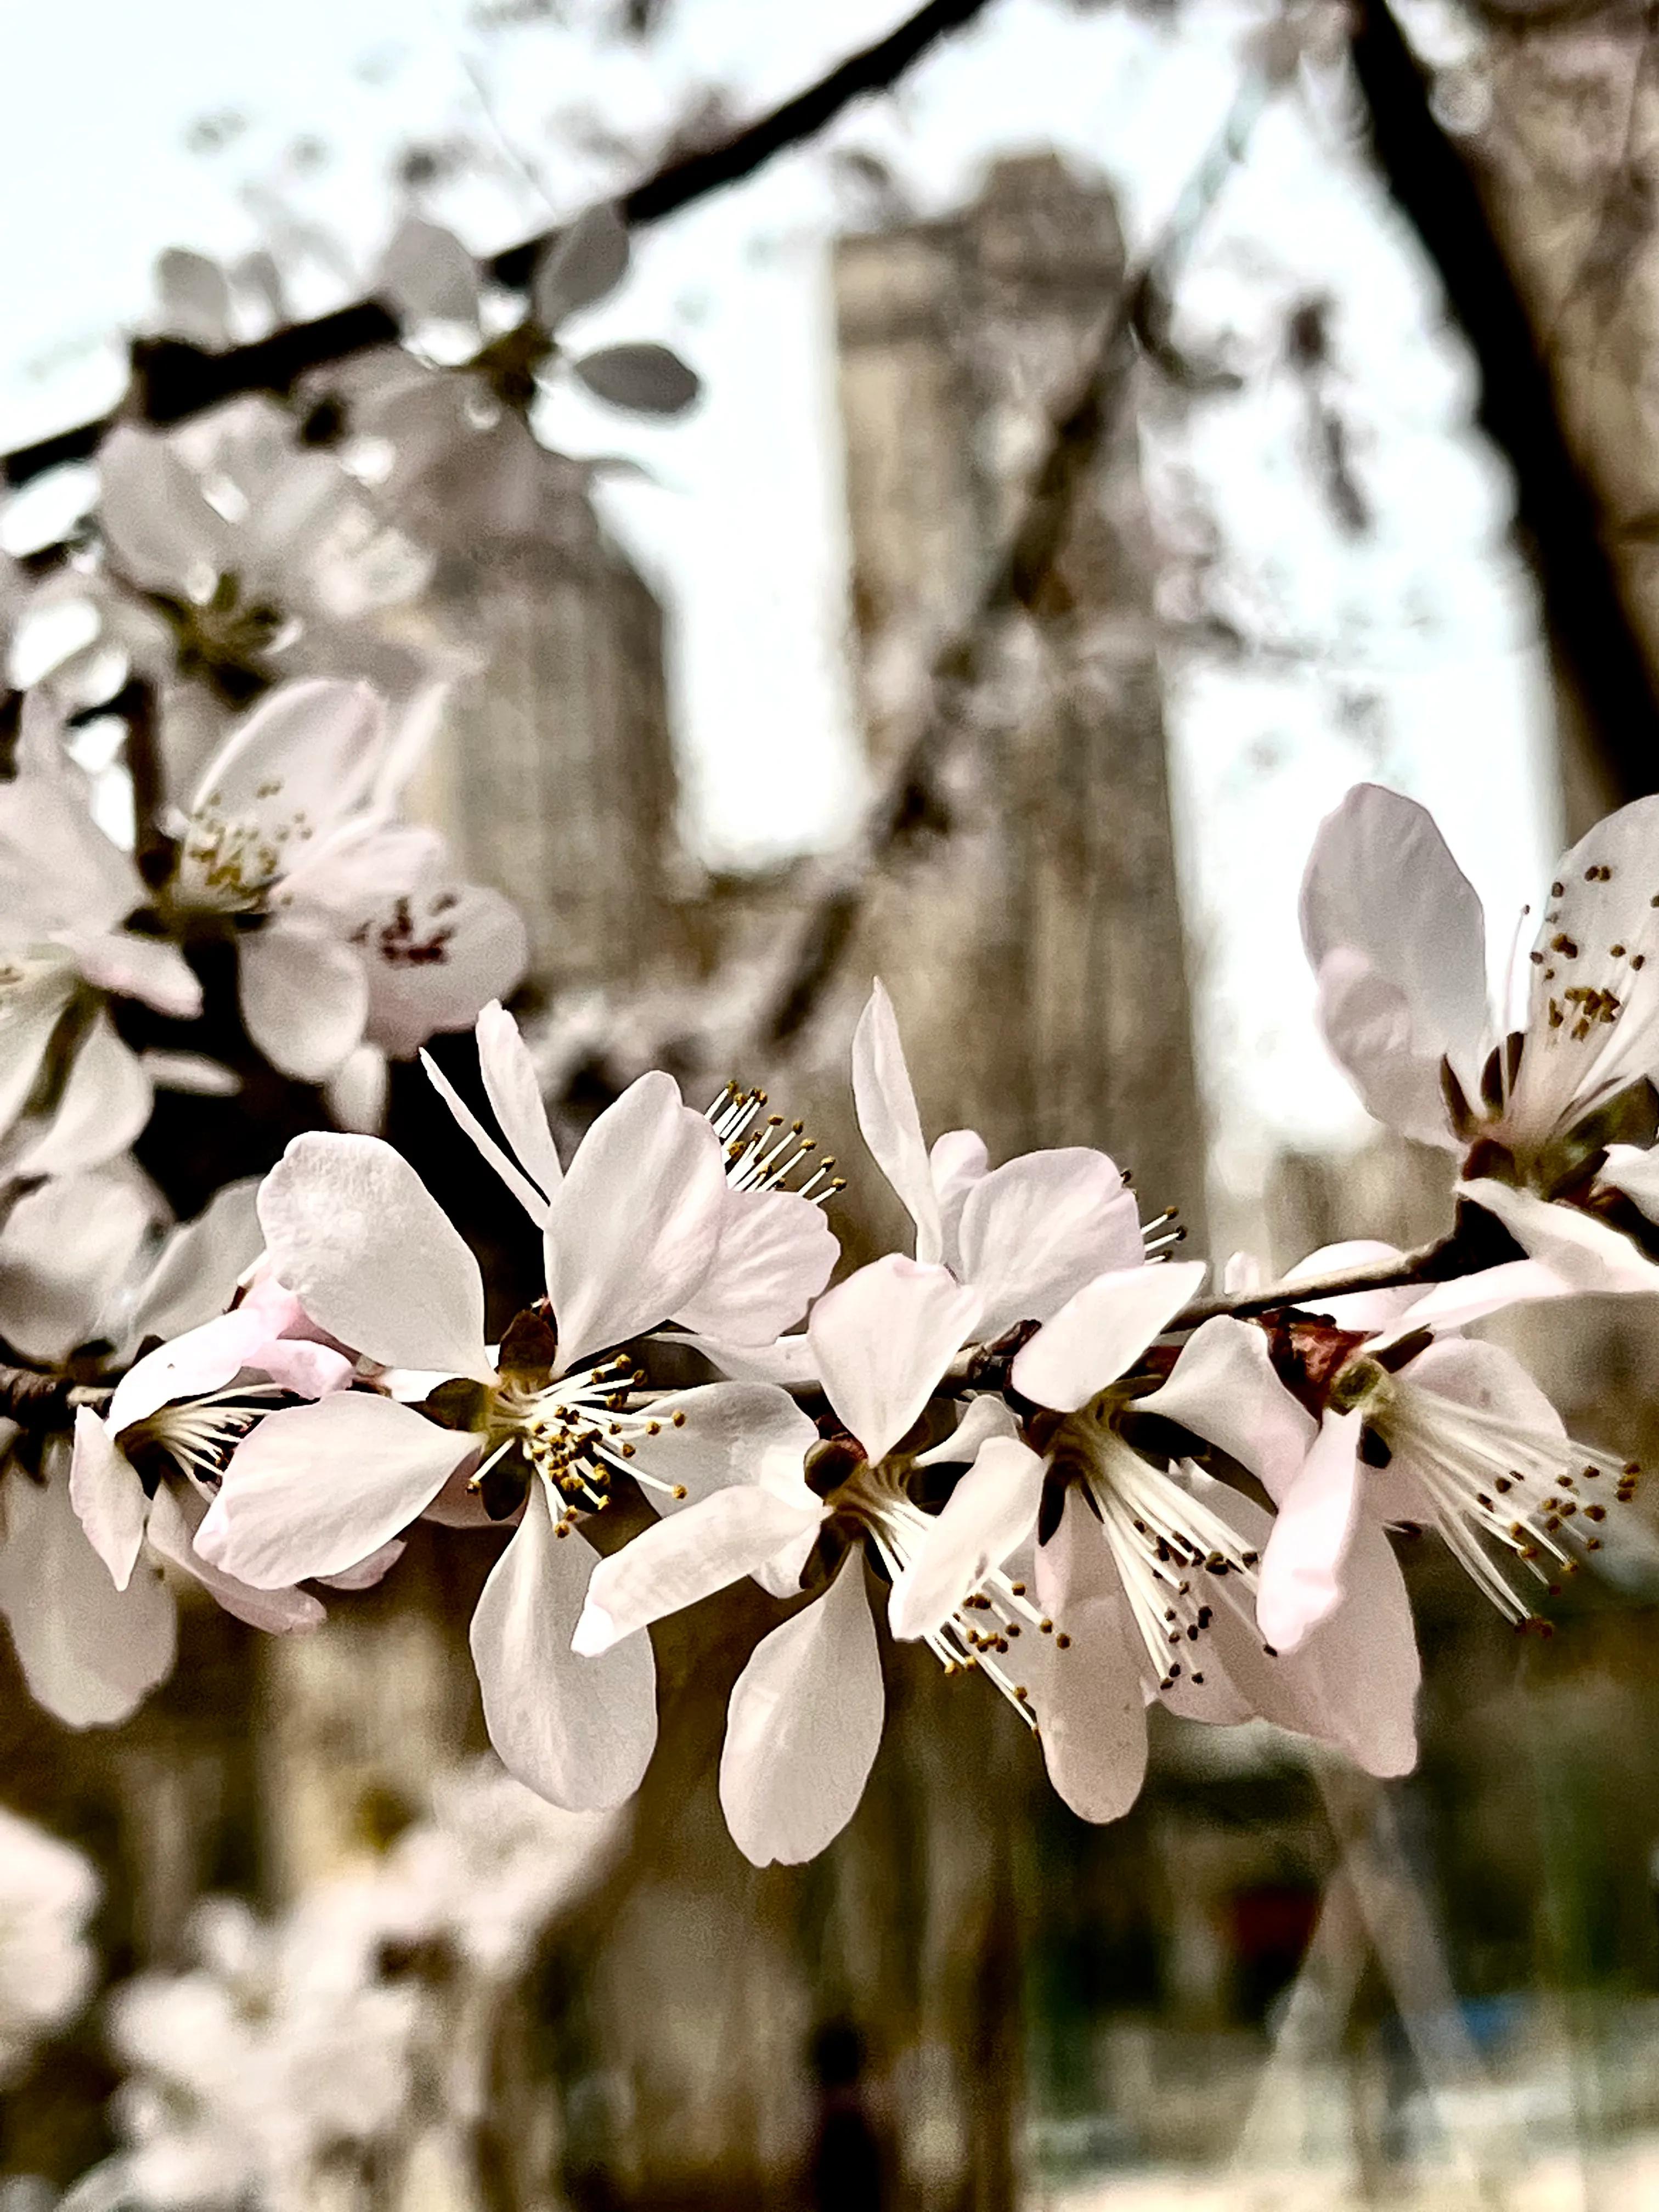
[[1557, 513], [44, 1401], [172, 381]]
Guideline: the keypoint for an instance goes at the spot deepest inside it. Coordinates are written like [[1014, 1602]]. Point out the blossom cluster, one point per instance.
[[1029, 1442]]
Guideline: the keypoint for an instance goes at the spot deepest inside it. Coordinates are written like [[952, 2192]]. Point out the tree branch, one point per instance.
[[1556, 510], [171, 380], [46, 1401]]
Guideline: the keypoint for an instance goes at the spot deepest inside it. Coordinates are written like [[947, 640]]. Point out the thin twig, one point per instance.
[[1408, 1271], [172, 381]]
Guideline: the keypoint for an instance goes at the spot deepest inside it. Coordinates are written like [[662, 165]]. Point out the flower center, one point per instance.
[[1541, 1497], [874, 1505], [199, 1435], [575, 1434], [1176, 1558]]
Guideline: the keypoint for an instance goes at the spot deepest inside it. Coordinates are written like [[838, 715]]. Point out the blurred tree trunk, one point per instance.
[[1529, 168]]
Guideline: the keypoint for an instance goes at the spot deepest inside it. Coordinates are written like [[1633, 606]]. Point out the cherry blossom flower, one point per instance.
[[805, 1715], [1554, 1114], [633, 1231], [48, 1892], [66, 892], [350, 927], [1421, 1429], [1144, 1572], [1027, 1234], [88, 1532]]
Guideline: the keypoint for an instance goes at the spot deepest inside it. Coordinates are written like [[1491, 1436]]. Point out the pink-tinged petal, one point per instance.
[[1382, 893], [532, 1200], [776, 1253], [983, 1418], [514, 1091], [803, 1727], [107, 1496], [309, 1371], [705, 1548], [883, 1339], [886, 1107], [303, 759], [370, 1571], [146, 967], [579, 1732], [956, 1163], [374, 1260], [90, 1653], [1092, 1711], [64, 1250], [1370, 1310], [200, 1264], [1224, 1389], [634, 1228], [991, 1513], [313, 1489], [1364, 1662], [106, 1103], [304, 998], [790, 1362], [1035, 1232], [175, 1522], [1302, 1566], [1101, 1331], [1576, 1247]]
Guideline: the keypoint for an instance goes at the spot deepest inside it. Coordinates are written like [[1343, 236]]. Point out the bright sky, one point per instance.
[[1407, 655]]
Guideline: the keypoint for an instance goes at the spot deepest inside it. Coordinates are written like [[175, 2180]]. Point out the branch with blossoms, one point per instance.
[[1027, 1442]]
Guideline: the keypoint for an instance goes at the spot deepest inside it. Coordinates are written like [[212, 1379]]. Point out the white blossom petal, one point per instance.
[[1576, 1247], [1300, 1581], [776, 1253], [803, 1727], [957, 1161], [371, 1255], [105, 1103], [304, 998], [1381, 890], [1101, 1331], [984, 1417], [790, 1362], [1092, 1713], [89, 1653], [706, 1547], [313, 1489], [1224, 1389], [176, 1519], [107, 1496], [514, 1091], [532, 1200], [199, 1264], [990, 1513], [883, 1339], [146, 967], [64, 1250], [732, 1432], [579, 1732], [302, 760], [886, 1107], [635, 1226], [1035, 1231]]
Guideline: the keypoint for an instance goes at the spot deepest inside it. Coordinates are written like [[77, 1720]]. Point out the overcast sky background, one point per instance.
[[1408, 654]]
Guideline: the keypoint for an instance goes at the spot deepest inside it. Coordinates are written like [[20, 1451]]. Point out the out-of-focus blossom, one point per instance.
[[351, 930], [1555, 1111], [357, 2025], [48, 1892]]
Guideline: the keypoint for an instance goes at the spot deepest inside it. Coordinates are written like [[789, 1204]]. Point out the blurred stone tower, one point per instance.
[[555, 775], [1038, 963]]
